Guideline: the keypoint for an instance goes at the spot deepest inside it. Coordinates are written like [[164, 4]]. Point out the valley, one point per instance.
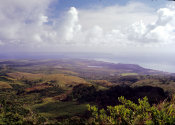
[[58, 91]]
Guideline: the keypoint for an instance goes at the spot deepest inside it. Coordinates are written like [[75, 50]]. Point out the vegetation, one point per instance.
[[131, 113], [58, 91], [60, 109], [4, 85], [128, 74]]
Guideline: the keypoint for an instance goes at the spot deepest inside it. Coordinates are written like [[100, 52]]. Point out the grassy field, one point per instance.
[[169, 87], [59, 78], [40, 81], [4, 85], [51, 109], [129, 74]]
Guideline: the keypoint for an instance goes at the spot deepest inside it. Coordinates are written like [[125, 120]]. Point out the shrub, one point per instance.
[[131, 113]]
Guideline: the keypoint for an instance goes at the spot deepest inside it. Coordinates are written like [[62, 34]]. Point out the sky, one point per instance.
[[135, 31]]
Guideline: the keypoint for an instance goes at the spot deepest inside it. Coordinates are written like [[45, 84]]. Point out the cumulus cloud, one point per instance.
[[71, 26], [133, 27], [128, 25], [23, 22], [135, 24], [162, 30]]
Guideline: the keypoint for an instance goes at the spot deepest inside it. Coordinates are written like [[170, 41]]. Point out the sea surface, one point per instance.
[[149, 65]]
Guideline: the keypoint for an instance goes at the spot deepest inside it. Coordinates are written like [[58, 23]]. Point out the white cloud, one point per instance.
[[71, 26], [132, 25], [27, 23], [161, 31], [116, 16], [23, 21]]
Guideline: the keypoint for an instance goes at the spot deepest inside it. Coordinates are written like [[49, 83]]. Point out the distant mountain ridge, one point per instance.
[[81, 66]]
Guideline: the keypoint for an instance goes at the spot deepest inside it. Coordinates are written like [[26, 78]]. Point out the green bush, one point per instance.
[[12, 113], [131, 113]]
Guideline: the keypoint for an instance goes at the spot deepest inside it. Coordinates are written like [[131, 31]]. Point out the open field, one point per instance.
[[4, 85], [60, 109]]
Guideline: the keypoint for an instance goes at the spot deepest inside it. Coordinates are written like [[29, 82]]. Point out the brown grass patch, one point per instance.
[[37, 87], [59, 78], [102, 83], [4, 85]]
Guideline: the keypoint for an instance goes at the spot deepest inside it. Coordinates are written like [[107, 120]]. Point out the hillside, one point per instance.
[[58, 91]]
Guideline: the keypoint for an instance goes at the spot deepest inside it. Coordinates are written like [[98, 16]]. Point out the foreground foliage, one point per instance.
[[131, 113], [13, 113]]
